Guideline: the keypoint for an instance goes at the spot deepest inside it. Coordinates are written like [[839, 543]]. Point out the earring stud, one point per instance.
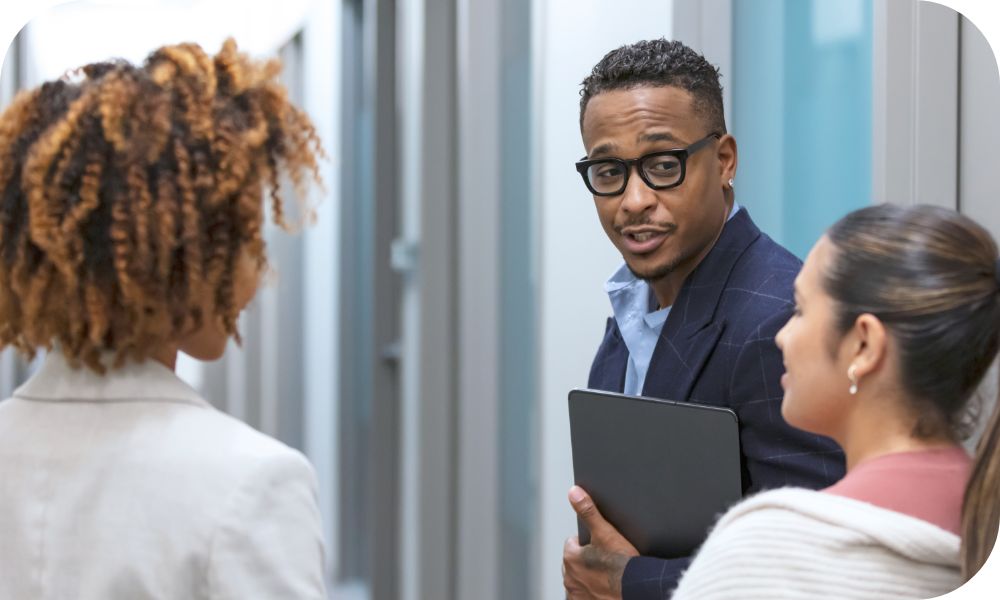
[[731, 182], [853, 377]]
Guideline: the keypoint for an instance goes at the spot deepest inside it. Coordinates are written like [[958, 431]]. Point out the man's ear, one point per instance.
[[728, 159], [867, 344]]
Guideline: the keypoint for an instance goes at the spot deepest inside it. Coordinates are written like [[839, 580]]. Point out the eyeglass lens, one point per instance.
[[609, 176]]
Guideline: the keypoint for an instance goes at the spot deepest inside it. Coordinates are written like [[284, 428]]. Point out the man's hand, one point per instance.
[[594, 571]]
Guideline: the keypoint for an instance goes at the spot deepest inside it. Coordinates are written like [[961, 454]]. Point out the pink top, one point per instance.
[[925, 484]]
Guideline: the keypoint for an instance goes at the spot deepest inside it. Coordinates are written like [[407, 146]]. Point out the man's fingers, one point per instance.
[[602, 533], [571, 545], [584, 506]]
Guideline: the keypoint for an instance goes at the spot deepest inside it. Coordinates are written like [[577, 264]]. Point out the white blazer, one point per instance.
[[130, 486]]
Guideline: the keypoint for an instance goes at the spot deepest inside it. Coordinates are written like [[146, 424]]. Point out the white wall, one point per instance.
[[575, 256]]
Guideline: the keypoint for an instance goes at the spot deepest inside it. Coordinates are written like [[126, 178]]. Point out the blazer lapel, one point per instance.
[[677, 363], [608, 370], [691, 333]]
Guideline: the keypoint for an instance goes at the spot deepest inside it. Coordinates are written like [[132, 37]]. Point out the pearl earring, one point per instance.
[[731, 182], [853, 377]]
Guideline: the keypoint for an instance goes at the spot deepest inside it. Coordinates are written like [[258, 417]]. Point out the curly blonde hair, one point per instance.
[[128, 194]]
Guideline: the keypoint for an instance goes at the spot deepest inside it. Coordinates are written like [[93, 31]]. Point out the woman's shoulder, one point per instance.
[[803, 540], [213, 435], [141, 412], [814, 520], [800, 504], [788, 510]]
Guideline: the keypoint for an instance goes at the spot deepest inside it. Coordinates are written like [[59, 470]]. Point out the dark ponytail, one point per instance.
[[929, 274], [981, 508]]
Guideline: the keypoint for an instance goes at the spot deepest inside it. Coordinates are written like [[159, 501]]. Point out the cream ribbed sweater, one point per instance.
[[796, 543]]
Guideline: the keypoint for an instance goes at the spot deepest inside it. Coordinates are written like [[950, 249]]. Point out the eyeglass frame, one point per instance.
[[681, 154]]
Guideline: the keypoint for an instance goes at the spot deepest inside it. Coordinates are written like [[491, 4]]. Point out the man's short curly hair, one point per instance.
[[659, 63], [128, 193]]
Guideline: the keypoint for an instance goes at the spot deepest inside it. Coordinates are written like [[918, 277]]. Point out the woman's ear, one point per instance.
[[867, 345]]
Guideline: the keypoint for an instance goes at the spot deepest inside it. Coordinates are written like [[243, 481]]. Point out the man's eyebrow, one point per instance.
[[660, 137], [602, 150]]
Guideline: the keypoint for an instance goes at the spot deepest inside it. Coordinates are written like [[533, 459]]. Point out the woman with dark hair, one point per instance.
[[131, 210], [896, 322]]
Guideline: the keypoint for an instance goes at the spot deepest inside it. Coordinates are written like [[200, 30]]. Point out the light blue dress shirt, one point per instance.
[[639, 320]]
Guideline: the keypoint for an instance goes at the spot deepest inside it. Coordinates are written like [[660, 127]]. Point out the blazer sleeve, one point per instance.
[[774, 453], [648, 578], [270, 543]]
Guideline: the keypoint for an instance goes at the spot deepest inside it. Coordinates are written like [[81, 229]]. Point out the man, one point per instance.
[[700, 297]]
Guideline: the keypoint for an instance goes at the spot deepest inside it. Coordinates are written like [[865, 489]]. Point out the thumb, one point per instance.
[[585, 508]]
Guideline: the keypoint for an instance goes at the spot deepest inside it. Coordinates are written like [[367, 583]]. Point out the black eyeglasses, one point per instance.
[[659, 170]]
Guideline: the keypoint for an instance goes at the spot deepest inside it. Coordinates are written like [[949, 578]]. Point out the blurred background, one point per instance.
[[418, 342]]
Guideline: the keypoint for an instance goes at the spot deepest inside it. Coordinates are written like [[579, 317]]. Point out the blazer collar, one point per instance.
[[696, 303], [134, 381]]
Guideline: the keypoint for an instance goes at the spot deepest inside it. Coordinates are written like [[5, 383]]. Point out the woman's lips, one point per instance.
[[643, 242]]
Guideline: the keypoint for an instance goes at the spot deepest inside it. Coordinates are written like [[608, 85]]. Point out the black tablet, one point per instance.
[[661, 472]]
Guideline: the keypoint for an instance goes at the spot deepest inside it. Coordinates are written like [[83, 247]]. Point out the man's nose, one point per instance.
[[637, 197]]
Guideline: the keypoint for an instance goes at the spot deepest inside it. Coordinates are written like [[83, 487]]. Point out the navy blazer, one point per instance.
[[717, 347]]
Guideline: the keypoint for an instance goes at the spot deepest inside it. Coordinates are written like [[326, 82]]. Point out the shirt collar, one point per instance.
[[133, 381]]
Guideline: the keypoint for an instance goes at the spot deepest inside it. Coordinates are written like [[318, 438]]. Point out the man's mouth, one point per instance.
[[644, 239]]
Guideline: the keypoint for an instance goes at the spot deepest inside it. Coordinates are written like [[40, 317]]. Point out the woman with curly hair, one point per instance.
[[131, 211]]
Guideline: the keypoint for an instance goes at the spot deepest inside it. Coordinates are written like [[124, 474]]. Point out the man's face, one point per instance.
[[658, 231]]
